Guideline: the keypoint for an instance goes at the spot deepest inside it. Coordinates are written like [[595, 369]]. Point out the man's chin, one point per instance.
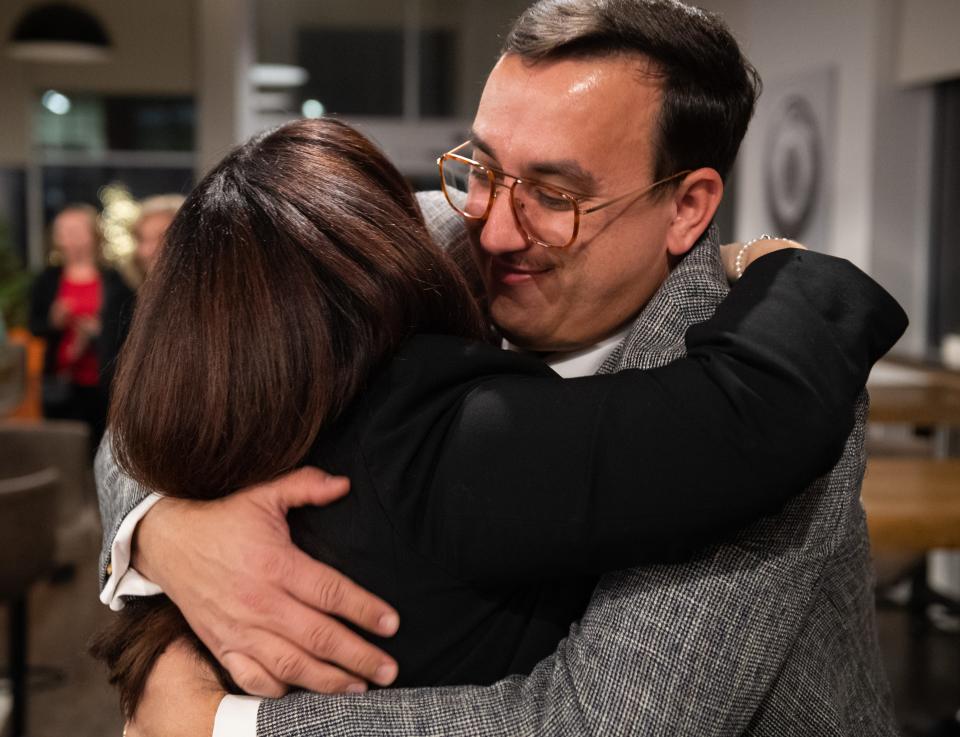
[[532, 338], [518, 335]]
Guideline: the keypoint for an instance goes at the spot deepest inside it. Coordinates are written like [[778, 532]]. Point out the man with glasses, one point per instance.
[[588, 186]]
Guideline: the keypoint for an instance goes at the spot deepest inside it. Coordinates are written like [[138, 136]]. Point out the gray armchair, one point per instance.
[[63, 445]]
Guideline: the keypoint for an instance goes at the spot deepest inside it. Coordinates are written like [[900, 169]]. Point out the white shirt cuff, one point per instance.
[[236, 717], [125, 580]]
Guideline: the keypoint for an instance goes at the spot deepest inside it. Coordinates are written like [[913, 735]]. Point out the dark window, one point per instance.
[[149, 124], [361, 71], [84, 122], [63, 185], [945, 235], [13, 212], [438, 65]]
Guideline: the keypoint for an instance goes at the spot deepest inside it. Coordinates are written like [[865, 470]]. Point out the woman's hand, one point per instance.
[[60, 312], [180, 699], [729, 253], [89, 326]]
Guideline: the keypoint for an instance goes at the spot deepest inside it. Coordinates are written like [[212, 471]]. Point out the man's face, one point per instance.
[[586, 126]]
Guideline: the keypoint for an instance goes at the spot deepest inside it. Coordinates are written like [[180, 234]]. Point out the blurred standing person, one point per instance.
[[81, 308], [156, 214]]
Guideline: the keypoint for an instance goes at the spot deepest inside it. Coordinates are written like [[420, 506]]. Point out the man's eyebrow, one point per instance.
[[568, 169], [579, 178], [477, 141]]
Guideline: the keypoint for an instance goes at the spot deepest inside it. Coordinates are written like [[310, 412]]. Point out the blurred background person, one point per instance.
[[81, 308], [156, 214]]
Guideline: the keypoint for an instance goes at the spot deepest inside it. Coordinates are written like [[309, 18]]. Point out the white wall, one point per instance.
[[880, 167], [927, 44], [902, 181]]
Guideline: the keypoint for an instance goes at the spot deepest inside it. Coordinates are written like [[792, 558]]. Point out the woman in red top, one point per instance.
[[80, 308]]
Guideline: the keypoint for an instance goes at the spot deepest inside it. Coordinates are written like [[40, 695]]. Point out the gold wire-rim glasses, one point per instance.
[[574, 198]]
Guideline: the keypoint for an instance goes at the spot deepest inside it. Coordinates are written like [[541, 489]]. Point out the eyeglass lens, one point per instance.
[[545, 214]]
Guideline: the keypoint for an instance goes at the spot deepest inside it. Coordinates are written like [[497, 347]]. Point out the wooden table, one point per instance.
[[918, 396], [931, 405], [913, 503]]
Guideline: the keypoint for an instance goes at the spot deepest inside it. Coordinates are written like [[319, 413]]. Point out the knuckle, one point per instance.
[[274, 567], [249, 680], [289, 667], [363, 612], [321, 640], [329, 592], [254, 600]]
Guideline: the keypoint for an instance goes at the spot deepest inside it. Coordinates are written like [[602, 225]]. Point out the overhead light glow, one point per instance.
[[278, 75], [313, 109], [55, 102]]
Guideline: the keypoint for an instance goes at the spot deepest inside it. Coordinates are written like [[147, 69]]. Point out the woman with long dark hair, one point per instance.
[[299, 314]]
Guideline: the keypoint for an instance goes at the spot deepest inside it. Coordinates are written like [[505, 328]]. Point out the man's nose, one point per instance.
[[500, 234]]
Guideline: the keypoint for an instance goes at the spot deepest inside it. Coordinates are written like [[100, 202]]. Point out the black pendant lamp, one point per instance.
[[59, 32]]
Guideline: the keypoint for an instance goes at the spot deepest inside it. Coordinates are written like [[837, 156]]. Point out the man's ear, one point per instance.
[[695, 201]]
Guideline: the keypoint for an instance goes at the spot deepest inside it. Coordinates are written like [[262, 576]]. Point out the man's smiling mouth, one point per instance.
[[514, 274]]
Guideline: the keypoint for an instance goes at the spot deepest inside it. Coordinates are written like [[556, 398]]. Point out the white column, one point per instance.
[[226, 51]]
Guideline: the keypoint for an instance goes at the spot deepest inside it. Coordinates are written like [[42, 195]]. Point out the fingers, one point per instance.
[[252, 677], [273, 655], [329, 640], [304, 486], [319, 637], [305, 638], [322, 588]]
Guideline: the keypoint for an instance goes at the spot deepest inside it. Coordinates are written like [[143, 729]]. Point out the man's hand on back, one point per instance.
[[264, 608]]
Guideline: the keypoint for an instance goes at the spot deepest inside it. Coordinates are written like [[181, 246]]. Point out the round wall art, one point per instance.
[[793, 166]]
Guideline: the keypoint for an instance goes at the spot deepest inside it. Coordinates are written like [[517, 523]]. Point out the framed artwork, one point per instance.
[[795, 120]]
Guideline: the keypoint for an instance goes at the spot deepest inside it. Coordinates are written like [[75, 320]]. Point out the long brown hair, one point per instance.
[[290, 273], [294, 268]]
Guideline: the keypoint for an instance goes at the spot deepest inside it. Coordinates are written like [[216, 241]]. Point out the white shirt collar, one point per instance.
[[584, 362]]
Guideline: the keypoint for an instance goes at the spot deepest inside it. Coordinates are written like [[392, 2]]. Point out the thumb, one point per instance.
[[306, 486]]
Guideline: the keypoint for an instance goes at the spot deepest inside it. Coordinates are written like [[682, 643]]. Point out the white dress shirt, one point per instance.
[[237, 715]]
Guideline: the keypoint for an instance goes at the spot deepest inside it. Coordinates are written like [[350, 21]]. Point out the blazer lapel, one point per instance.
[[689, 295]]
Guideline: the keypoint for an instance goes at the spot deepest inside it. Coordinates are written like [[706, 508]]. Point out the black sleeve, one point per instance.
[[115, 322], [43, 292], [540, 478]]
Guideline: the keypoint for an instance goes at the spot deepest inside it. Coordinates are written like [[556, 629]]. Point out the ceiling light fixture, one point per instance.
[[59, 32]]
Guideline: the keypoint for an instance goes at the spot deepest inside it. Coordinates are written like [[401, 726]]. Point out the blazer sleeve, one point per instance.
[[117, 496], [538, 478]]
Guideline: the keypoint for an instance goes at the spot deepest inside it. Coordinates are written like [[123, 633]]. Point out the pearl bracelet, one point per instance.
[[738, 262]]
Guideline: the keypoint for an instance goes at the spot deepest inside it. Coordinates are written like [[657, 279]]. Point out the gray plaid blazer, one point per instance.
[[771, 633]]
